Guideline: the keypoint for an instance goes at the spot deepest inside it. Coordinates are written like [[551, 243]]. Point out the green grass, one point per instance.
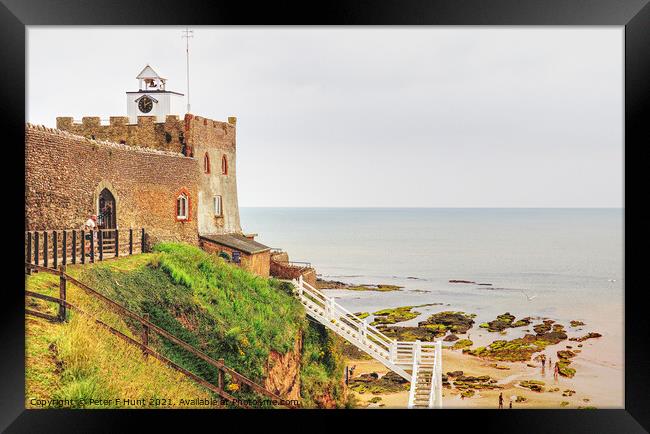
[[221, 309], [78, 359]]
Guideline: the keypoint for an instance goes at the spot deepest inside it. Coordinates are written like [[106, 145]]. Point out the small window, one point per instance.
[[224, 165], [217, 206], [206, 163], [182, 207]]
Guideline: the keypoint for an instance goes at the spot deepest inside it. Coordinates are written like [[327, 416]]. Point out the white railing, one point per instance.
[[414, 374], [395, 355]]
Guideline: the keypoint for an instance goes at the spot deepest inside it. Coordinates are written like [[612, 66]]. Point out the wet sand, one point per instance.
[[607, 392]]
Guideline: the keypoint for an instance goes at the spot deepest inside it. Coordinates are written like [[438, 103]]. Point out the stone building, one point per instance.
[[175, 177]]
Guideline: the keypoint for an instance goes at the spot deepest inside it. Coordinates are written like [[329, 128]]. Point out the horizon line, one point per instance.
[[435, 207]]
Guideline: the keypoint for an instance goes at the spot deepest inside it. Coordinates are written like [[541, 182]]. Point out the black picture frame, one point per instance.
[[16, 14]]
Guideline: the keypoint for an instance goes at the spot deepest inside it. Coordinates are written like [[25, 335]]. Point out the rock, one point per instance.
[[410, 334], [455, 374], [564, 370], [394, 315], [461, 281], [394, 378], [467, 393], [501, 367], [565, 354], [455, 322], [589, 335], [534, 385], [462, 343], [450, 338], [568, 392], [575, 323]]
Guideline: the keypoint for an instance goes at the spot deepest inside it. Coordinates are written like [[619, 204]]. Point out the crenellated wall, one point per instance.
[[64, 174], [147, 133], [195, 136]]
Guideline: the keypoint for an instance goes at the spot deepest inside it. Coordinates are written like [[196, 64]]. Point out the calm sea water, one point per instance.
[[558, 263]]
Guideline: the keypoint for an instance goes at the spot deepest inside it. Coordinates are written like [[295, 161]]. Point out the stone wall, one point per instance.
[[217, 140], [147, 133], [258, 263], [281, 269], [65, 174]]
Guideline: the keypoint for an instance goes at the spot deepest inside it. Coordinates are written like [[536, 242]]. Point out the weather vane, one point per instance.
[[187, 34]]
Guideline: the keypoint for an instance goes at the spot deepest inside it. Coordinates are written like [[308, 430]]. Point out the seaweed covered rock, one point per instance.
[[520, 349], [394, 315], [450, 338], [565, 354], [589, 335], [504, 321], [461, 344], [410, 334], [576, 323], [376, 385], [455, 322], [534, 385]]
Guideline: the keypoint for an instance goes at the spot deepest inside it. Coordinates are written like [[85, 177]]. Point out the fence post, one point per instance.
[[92, 246], [83, 246], [29, 252], [55, 248], [36, 248], [220, 375], [74, 246], [142, 250], [100, 240], [145, 335], [117, 242], [130, 241], [64, 248], [45, 248], [62, 294]]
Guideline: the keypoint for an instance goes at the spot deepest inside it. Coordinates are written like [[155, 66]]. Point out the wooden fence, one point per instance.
[[52, 248], [147, 328]]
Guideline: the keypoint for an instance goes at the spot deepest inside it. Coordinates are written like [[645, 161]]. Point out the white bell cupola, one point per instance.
[[152, 98]]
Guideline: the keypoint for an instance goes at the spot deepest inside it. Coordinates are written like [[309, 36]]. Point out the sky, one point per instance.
[[372, 116]]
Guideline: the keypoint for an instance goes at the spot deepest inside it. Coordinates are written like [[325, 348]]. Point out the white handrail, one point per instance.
[[414, 375], [396, 355]]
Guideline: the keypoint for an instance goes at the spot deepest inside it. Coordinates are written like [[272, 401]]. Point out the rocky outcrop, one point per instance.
[[283, 372]]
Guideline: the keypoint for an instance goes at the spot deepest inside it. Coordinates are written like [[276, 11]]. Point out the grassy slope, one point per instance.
[[80, 360], [223, 310]]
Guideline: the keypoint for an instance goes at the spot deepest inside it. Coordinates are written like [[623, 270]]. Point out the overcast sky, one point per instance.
[[391, 117]]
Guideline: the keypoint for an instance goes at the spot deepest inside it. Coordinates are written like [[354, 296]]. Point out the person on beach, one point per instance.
[[90, 226], [556, 372], [510, 405], [501, 400]]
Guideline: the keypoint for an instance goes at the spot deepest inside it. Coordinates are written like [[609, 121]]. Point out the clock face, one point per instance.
[[145, 104]]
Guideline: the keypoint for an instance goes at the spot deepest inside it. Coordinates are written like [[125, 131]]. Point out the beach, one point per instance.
[[558, 265], [608, 395]]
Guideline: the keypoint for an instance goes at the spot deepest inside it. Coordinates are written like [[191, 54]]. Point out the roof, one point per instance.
[[237, 242], [148, 72]]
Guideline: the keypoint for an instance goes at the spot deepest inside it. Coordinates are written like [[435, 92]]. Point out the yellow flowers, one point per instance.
[[233, 387]]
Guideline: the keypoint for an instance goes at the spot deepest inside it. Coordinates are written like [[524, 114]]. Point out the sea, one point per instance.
[[560, 264]]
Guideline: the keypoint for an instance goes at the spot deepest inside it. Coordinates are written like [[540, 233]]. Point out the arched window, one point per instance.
[[224, 165], [206, 163], [182, 206]]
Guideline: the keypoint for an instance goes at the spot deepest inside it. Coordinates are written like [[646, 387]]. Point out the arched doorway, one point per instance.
[[107, 211]]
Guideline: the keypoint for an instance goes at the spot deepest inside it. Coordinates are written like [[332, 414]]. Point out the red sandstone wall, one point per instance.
[[64, 174]]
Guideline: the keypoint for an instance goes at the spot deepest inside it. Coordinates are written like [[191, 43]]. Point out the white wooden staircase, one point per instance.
[[422, 359]]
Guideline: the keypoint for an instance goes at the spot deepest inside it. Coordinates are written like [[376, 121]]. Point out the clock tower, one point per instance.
[[152, 99]]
